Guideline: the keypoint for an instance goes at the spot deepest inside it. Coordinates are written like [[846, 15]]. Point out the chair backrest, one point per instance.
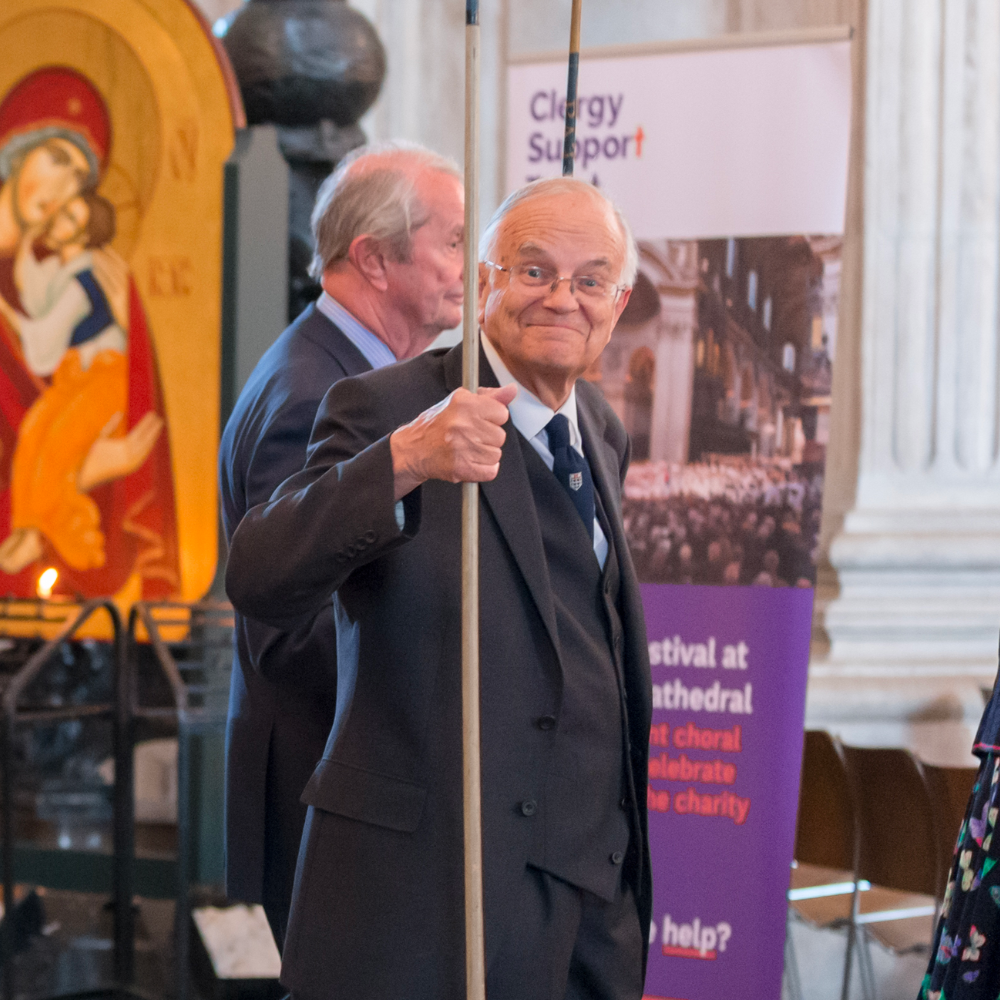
[[897, 833], [824, 834], [951, 788]]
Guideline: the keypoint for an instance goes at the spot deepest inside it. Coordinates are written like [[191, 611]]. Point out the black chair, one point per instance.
[[897, 852], [822, 883], [951, 788]]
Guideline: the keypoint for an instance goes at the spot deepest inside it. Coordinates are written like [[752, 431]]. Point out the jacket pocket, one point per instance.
[[365, 796]]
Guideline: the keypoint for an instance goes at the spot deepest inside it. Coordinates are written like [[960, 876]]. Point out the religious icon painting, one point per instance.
[[116, 117]]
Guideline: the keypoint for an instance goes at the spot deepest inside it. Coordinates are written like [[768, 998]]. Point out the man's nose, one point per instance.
[[560, 296]]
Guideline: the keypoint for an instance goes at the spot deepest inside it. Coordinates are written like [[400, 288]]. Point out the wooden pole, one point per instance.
[[475, 962], [569, 139]]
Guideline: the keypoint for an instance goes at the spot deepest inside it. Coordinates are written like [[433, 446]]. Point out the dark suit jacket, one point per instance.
[[378, 905], [283, 687]]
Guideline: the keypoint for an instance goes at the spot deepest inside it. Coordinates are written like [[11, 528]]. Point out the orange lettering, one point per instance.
[[183, 154], [170, 277]]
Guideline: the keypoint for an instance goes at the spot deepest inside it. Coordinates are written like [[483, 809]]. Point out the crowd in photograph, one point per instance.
[[727, 521]]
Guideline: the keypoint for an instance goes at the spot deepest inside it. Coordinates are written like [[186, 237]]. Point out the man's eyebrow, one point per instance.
[[533, 248]]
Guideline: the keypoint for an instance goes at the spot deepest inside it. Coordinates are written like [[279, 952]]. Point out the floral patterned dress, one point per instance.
[[965, 960]]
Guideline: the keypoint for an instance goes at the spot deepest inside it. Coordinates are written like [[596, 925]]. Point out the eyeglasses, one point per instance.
[[534, 276]]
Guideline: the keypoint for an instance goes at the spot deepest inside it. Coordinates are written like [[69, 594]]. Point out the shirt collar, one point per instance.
[[377, 353], [527, 412]]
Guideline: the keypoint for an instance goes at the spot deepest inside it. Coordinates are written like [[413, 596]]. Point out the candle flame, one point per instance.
[[46, 582]]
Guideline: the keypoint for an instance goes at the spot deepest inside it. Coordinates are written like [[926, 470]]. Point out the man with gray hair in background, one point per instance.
[[374, 518], [388, 228]]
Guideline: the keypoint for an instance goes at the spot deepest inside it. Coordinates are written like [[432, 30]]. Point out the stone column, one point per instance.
[[916, 548], [678, 319], [424, 94]]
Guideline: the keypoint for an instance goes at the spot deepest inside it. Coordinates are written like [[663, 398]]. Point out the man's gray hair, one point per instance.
[[559, 185], [373, 192]]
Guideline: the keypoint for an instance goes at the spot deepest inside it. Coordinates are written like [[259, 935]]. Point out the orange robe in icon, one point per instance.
[[53, 440], [135, 530]]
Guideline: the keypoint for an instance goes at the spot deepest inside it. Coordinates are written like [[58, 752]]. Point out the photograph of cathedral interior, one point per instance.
[[655, 658], [726, 481]]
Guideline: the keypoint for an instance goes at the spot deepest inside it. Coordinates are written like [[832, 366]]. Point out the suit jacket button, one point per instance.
[[546, 722], [528, 807], [624, 802], [370, 537], [617, 858]]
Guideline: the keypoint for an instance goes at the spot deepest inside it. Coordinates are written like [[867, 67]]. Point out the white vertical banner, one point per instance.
[[731, 165]]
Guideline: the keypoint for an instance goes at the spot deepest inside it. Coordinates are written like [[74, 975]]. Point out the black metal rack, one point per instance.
[[36, 619], [192, 644], [191, 648]]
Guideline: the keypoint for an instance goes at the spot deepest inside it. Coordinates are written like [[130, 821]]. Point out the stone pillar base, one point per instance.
[[907, 630]]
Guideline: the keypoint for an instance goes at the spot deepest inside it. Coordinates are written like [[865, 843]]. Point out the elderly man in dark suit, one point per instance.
[[378, 903], [388, 227]]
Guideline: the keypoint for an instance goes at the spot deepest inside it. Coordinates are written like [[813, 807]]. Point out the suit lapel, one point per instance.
[[603, 466], [327, 335], [453, 368], [510, 501]]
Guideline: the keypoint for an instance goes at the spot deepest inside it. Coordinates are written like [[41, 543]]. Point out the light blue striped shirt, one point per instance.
[[376, 351]]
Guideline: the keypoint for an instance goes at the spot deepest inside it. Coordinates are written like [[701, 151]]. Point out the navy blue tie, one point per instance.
[[572, 470]]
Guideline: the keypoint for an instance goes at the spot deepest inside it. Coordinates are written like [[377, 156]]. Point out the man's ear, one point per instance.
[[367, 254], [621, 304], [484, 289]]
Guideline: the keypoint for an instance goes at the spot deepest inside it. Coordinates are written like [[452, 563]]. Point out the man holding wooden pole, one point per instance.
[[565, 690], [388, 229]]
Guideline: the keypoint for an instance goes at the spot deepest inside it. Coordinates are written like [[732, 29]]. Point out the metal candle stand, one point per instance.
[[200, 700], [32, 617], [184, 639]]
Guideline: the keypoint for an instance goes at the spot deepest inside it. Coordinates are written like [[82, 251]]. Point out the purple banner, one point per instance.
[[729, 671]]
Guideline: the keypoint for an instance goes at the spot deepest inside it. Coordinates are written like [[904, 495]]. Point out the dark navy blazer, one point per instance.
[[988, 737], [283, 690]]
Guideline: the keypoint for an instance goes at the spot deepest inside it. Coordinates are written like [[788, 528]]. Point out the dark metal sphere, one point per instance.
[[301, 61]]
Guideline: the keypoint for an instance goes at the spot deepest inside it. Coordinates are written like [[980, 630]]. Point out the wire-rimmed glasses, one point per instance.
[[537, 277]]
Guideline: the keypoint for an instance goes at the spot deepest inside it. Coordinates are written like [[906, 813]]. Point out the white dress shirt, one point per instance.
[[376, 351], [531, 416]]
